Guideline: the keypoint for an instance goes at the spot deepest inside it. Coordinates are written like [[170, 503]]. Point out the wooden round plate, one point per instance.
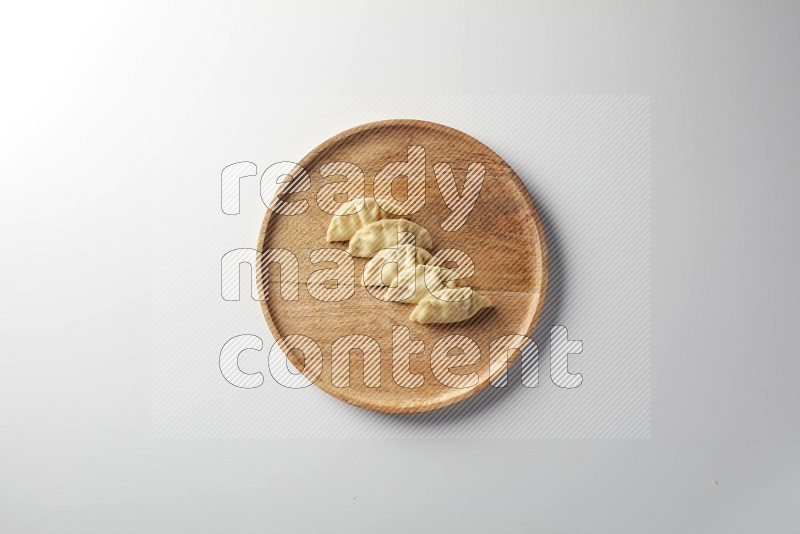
[[503, 235]]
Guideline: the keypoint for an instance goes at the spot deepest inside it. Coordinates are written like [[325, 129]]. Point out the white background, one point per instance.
[[96, 98]]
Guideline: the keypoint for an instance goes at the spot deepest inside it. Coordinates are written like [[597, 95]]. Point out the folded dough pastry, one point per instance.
[[384, 234], [446, 306], [348, 221], [391, 260], [415, 284]]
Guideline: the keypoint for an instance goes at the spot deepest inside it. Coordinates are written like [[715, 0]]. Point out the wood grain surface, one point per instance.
[[503, 236]]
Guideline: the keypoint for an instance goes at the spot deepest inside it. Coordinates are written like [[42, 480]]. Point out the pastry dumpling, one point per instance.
[[415, 284], [391, 260], [445, 306], [348, 221], [384, 234]]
